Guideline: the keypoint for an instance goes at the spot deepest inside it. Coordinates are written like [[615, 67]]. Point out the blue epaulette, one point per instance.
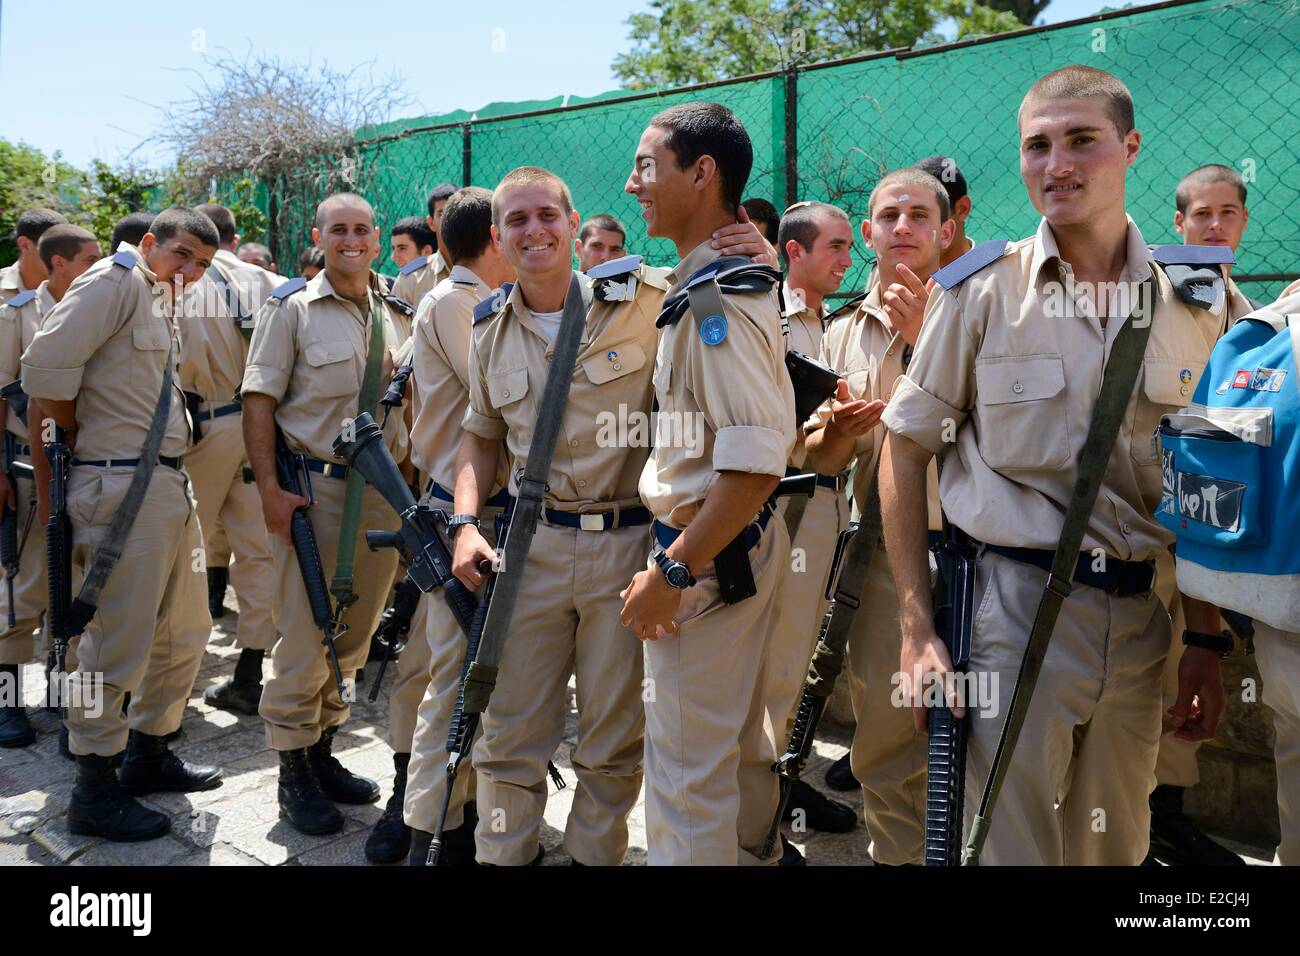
[[124, 258], [412, 265], [615, 267], [733, 274], [21, 299], [400, 304], [961, 269], [493, 304], [1181, 255], [296, 284]]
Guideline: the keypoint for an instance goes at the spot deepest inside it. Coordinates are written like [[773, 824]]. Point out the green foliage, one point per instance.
[[681, 42], [29, 179], [240, 197], [108, 194]]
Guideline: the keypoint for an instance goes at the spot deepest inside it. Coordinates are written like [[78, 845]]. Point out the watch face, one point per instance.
[[679, 576]]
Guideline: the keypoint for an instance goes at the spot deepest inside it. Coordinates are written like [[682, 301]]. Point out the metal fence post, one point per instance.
[[791, 135], [466, 154]]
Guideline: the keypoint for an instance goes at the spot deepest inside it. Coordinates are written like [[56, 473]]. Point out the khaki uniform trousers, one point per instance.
[[801, 601], [1278, 655], [31, 591], [888, 755], [1176, 764], [300, 698], [1076, 789], [566, 622], [225, 502], [148, 636], [709, 749]]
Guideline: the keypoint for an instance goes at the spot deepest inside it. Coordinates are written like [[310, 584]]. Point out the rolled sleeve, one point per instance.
[[56, 384], [752, 449], [916, 414], [87, 316], [481, 417], [485, 426], [265, 381], [272, 351]]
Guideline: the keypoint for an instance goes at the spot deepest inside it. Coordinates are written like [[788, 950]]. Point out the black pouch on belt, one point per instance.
[[192, 403], [735, 576]]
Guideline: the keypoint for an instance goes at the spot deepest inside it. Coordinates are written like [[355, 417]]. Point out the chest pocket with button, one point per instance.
[[1023, 422], [506, 388], [1166, 386], [150, 354], [333, 372]]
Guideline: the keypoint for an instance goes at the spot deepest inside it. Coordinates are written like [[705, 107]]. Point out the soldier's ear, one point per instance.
[[866, 233], [315, 237], [1178, 221], [946, 233]]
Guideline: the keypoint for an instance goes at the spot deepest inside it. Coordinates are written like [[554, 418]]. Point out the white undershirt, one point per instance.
[[548, 322]]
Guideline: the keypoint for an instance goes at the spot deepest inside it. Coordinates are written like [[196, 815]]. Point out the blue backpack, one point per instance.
[[1231, 471]]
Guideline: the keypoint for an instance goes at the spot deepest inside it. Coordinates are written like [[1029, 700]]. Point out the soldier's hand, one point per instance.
[[278, 507], [472, 550], [742, 238], [852, 417], [904, 303], [1200, 703], [649, 604], [924, 661]]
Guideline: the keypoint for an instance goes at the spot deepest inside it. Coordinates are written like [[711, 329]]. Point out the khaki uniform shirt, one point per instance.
[[1238, 305], [213, 346], [17, 329], [864, 348], [600, 450], [105, 345], [730, 406], [414, 285], [309, 354], [11, 282], [1011, 383]]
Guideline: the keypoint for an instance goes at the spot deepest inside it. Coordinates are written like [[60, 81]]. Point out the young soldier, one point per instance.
[[256, 254], [1210, 210], [591, 538], [945, 169], [1011, 382], [66, 252], [321, 354], [217, 325], [710, 790], [410, 238], [131, 229], [816, 243], [421, 274], [28, 272], [311, 262], [601, 238], [430, 666], [96, 368], [908, 227]]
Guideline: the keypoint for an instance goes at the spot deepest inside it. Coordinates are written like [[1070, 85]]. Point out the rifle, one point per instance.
[[394, 625], [58, 549], [10, 549], [295, 478], [945, 783]]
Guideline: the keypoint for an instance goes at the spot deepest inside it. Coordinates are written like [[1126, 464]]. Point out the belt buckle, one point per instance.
[[591, 522], [330, 468]]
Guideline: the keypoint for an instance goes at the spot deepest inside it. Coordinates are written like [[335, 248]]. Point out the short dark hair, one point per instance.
[[1203, 176], [1077, 82], [467, 224], [760, 210], [602, 221], [63, 240], [946, 170], [168, 223], [439, 193], [800, 224], [222, 218], [417, 229], [263, 254], [131, 228], [311, 256], [33, 223], [710, 129]]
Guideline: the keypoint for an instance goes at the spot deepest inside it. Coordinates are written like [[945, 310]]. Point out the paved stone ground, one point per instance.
[[238, 823]]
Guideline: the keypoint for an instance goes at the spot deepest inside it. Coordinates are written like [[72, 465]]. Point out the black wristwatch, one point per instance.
[[456, 522], [1222, 644], [676, 574]]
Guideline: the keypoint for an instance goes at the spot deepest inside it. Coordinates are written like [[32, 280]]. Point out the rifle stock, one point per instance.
[[58, 548]]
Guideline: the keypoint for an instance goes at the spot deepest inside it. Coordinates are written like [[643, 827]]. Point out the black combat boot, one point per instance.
[[820, 812], [1176, 840], [218, 578], [241, 692], [790, 855], [301, 800], [840, 776], [100, 807], [336, 782], [15, 729], [390, 840], [150, 767]]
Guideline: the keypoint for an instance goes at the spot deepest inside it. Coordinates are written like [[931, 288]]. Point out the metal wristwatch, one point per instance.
[[675, 573], [456, 522]]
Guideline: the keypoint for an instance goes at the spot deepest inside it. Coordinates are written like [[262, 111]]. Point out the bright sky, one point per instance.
[[86, 78]]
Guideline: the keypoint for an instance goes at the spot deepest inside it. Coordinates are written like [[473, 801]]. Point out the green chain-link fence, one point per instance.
[[1213, 81]]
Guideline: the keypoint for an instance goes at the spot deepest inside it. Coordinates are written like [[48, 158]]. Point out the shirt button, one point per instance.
[[506, 393], [1184, 390], [1127, 529], [618, 366], [1017, 388], [574, 443], [582, 483]]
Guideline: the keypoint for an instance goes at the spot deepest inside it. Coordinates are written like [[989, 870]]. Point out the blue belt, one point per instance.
[[222, 412], [599, 520], [129, 462], [753, 531], [1120, 578], [833, 482], [327, 468], [499, 500]]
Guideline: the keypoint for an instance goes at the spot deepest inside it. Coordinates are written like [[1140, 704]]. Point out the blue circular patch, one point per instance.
[[713, 330]]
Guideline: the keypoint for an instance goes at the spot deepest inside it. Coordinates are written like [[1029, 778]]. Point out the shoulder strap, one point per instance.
[[969, 263], [234, 302], [411, 266], [286, 289], [21, 299], [1116, 389]]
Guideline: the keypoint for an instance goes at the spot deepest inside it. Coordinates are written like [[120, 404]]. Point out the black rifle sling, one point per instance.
[[1116, 389], [234, 303], [481, 675], [107, 554]]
